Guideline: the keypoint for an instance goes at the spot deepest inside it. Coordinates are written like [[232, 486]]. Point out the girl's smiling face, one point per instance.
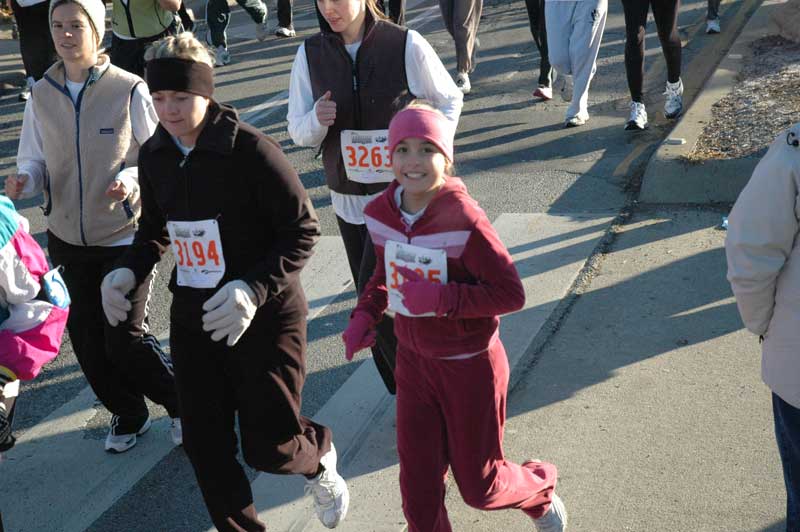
[[73, 34], [419, 167]]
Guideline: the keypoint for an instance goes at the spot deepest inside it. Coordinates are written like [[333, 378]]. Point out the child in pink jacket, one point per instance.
[[443, 270]]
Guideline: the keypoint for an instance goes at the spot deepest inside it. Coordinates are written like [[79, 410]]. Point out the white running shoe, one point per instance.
[[462, 82], [119, 443], [261, 30], [638, 118], [575, 121], [674, 103], [176, 431], [221, 56], [545, 93], [563, 85], [25, 95], [285, 32], [331, 497], [712, 26], [555, 520]]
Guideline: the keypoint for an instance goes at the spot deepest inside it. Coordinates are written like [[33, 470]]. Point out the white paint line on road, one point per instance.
[[427, 14], [549, 252], [261, 111]]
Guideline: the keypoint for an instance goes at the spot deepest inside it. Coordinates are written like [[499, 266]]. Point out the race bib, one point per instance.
[[429, 263], [366, 156], [198, 253]]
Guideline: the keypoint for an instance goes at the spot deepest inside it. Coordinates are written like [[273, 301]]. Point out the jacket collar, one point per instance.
[[218, 134], [56, 75]]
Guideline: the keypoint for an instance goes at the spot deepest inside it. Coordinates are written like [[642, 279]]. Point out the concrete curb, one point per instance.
[[669, 177]]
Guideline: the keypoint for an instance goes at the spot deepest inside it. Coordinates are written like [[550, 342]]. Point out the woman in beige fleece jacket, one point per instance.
[[764, 271]]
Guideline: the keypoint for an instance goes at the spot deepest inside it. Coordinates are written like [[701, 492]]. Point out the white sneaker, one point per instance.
[[462, 82], [563, 85], [545, 93], [674, 103], [285, 32], [638, 118], [555, 520], [119, 443], [712, 26], [331, 497], [261, 30], [221, 56], [25, 95], [575, 121], [176, 431]]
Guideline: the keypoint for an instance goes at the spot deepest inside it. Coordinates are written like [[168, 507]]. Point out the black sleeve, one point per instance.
[[288, 210], [151, 239]]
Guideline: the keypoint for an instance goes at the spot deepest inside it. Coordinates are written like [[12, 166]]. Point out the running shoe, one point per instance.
[[575, 121], [555, 520], [638, 118], [545, 93], [221, 56], [563, 85], [331, 497], [674, 102], [712, 26], [462, 82], [176, 431], [117, 442], [25, 95], [285, 32], [261, 29]]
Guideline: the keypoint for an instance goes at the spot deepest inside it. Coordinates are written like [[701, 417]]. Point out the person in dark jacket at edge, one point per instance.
[[226, 200]]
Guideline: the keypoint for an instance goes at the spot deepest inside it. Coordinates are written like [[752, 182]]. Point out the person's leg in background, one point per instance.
[[285, 27], [462, 18], [635, 25], [35, 42], [787, 435], [560, 16], [536, 19], [589, 22], [665, 13], [712, 17]]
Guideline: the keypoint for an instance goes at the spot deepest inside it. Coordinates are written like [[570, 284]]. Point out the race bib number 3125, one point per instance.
[[197, 248], [431, 264]]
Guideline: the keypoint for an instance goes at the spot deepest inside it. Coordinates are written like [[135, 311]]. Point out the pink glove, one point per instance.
[[360, 334], [420, 296]]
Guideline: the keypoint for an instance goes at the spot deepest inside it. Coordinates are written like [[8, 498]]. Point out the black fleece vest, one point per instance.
[[364, 90]]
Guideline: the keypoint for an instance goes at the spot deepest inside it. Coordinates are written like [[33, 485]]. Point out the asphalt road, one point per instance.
[[511, 150]]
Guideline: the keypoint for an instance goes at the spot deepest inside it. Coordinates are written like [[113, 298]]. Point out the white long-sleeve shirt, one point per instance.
[[427, 78], [30, 154]]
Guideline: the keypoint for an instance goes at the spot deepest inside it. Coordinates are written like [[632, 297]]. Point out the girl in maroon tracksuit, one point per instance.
[[443, 270]]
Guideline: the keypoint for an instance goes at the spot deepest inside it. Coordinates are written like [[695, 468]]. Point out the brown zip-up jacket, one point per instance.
[[240, 177]]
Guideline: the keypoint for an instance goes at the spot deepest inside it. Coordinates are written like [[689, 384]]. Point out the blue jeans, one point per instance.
[[787, 433]]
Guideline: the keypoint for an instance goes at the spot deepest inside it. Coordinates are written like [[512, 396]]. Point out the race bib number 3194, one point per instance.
[[197, 248], [366, 155], [430, 264]]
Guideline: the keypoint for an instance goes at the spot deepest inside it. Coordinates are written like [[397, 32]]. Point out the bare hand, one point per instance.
[[117, 190], [14, 185], [326, 109]]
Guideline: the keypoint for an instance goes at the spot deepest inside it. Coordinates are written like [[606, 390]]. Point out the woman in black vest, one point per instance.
[[344, 83]]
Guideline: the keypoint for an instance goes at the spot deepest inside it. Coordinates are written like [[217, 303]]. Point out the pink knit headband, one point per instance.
[[423, 124]]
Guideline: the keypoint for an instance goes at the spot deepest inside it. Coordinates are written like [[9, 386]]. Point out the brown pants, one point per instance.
[[260, 379], [461, 18]]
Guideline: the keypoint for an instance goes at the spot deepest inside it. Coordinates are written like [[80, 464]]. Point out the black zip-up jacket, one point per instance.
[[240, 177]]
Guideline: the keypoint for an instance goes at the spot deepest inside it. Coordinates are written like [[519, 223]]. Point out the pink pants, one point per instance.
[[451, 413]]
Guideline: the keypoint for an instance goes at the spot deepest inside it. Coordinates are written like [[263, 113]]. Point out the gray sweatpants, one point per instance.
[[574, 32], [461, 18]]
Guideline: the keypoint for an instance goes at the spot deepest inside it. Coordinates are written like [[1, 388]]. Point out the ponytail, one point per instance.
[[374, 10]]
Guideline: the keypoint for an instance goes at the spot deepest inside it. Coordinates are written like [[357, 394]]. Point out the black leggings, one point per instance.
[[539, 32], [665, 13]]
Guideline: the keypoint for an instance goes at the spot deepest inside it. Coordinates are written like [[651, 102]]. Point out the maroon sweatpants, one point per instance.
[[451, 413]]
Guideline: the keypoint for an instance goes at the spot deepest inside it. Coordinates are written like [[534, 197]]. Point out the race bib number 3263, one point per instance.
[[197, 248], [366, 155]]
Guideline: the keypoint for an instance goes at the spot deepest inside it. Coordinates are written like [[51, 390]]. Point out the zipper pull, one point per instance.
[[183, 161]]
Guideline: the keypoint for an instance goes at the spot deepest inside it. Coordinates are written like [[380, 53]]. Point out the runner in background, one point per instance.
[[225, 199], [443, 270], [35, 41], [712, 17], [536, 19], [79, 144], [344, 84], [285, 29], [462, 18], [218, 16], [665, 13], [136, 24], [576, 30]]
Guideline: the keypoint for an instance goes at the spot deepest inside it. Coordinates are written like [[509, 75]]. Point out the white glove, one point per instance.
[[116, 285], [230, 311]]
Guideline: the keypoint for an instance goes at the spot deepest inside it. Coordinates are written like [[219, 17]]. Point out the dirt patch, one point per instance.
[[764, 102]]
